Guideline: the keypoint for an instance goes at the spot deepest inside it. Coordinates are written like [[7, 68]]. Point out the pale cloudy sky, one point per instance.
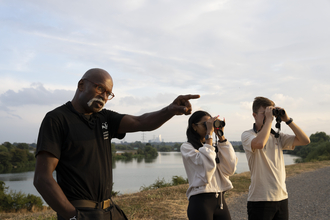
[[228, 51]]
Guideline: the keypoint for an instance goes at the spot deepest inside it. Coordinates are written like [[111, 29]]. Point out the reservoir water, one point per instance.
[[130, 176]]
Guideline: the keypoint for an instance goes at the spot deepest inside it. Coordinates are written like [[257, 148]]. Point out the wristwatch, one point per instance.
[[288, 122], [73, 218], [223, 141], [208, 137]]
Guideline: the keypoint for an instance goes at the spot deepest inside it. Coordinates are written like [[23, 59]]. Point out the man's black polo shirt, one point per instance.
[[83, 147]]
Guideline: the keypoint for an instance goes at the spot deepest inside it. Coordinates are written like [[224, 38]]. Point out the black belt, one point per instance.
[[91, 204]]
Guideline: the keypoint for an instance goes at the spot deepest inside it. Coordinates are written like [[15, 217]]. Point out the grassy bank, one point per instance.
[[170, 202]]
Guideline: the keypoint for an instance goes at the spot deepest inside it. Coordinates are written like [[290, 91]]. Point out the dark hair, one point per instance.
[[192, 135], [261, 102]]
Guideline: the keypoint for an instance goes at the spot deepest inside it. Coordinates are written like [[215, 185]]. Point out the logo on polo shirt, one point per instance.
[[106, 132], [105, 125]]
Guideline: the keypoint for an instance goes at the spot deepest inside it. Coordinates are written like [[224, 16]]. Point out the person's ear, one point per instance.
[[194, 126], [81, 85]]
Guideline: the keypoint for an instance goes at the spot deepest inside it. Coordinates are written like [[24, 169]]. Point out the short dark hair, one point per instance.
[[261, 102], [192, 135]]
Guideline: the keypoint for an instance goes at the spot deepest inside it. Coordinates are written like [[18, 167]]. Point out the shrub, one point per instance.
[[32, 201], [161, 183], [319, 152], [178, 180], [17, 200]]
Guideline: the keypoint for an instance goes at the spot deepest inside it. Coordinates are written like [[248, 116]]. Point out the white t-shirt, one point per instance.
[[267, 166]]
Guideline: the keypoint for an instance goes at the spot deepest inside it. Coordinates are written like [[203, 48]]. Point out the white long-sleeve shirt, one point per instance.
[[204, 174]]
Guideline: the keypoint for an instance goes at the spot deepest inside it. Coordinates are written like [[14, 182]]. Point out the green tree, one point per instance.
[[318, 149], [31, 157], [5, 157], [177, 146], [19, 156], [319, 152], [3, 149], [319, 137], [8, 145], [165, 149], [23, 146], [150, 152], [3, 187]]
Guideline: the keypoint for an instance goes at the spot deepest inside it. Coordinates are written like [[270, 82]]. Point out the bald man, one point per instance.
[[75, 139]]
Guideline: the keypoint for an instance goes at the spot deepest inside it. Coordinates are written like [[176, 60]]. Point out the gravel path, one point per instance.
[[309, 197]]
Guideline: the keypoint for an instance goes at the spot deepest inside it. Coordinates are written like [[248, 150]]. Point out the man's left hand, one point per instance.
[[181, 105]]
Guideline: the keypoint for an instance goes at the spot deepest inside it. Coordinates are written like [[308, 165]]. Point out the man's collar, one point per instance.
[[255, 128]]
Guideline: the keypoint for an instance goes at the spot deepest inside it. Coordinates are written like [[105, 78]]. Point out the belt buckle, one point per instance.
[[106, 204]]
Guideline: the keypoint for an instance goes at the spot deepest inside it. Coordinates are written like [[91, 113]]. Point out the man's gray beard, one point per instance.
[[90, 102]]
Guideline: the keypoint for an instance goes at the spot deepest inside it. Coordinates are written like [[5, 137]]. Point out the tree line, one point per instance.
[[160, 147], [17, 157], [139, 151], [317, 150]]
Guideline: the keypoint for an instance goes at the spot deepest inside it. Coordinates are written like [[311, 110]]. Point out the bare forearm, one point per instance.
[[301, 137], [55, 198], [146, 122], [153, 120], [260, 141]]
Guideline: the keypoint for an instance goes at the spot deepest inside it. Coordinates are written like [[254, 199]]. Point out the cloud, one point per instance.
[[227, 51], [285, 100], [36, 94]]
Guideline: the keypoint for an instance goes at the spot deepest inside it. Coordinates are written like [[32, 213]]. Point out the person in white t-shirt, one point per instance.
[[268, 197], [208, 168]]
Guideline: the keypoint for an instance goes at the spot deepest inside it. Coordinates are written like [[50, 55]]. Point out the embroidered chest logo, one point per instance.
[[105, 130]]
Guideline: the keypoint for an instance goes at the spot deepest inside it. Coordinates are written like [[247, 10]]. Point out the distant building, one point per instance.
[[157, 139]]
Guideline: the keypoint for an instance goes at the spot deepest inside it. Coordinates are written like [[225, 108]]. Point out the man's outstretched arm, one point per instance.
[[153, 120]]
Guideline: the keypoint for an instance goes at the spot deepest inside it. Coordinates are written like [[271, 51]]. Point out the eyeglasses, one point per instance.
[[100, 90]]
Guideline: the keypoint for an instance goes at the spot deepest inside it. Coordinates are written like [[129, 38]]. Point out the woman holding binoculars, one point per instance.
[[208, 167]]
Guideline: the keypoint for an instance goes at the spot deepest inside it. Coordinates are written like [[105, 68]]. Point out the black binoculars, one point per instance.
[[217, 124], [277, 112]]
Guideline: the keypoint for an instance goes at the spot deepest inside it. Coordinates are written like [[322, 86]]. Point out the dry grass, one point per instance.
[[298, 168], [171, 202], [164, 203], [45, 214]]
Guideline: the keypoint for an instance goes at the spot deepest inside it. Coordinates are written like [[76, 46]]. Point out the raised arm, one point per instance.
[[153, 120], [301, 138], [48, 187], [263, 135]]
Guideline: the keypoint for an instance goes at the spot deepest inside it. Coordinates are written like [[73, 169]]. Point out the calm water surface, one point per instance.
[[130, 176]]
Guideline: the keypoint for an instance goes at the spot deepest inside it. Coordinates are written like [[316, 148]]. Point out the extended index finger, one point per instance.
[[189, 96]]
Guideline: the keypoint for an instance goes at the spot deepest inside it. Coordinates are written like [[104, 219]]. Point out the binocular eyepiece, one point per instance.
[[217, 124], [277, 112]]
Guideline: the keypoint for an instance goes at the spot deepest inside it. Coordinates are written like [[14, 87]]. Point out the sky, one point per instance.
[[228, 52]]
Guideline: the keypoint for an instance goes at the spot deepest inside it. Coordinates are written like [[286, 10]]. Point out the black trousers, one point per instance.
[[206, 206], [268, 210]]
